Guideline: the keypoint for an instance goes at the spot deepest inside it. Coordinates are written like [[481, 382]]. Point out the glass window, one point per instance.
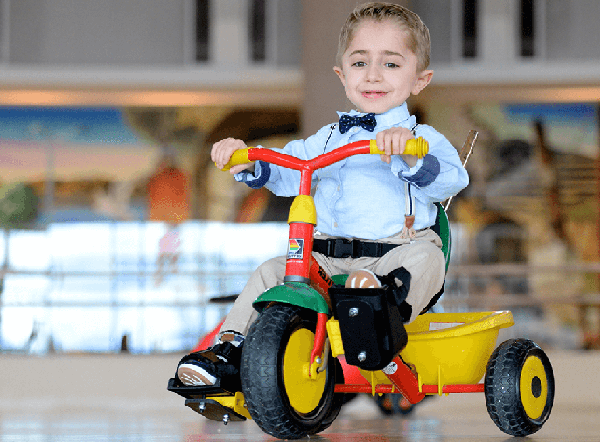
[[470, 11], [438, 17], [202, 30], [258, 30], [572, 29], [527, 27]]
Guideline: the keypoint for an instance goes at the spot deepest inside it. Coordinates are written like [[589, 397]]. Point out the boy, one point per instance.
[[382, 59]]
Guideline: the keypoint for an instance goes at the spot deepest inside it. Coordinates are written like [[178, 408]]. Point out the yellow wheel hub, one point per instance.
[[304, 391], [533, 387]]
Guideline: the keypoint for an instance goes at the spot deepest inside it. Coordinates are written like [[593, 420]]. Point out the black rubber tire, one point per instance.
[[262, 376], [506, 403]]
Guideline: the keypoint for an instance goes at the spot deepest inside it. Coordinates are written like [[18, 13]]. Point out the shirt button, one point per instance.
[[338, 188], [335, 225]]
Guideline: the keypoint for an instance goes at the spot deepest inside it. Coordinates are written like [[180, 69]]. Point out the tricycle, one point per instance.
[[292, 382]]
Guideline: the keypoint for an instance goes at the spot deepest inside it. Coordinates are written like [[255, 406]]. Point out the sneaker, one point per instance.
[[205, 367], [362, 279]]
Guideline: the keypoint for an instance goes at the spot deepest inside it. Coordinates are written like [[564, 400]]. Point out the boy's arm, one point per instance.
[[222, 151], [254, 174], [439, 174], [280, 180]]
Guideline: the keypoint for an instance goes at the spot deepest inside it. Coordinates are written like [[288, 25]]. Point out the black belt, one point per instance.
[[351, 248]]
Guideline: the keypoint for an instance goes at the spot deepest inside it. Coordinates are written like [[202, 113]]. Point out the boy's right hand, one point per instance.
[[221, 153]]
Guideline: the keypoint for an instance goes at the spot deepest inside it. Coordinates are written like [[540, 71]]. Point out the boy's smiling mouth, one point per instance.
[[373, 94]]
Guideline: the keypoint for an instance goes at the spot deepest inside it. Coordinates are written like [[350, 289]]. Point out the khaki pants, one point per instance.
[[423, 258]]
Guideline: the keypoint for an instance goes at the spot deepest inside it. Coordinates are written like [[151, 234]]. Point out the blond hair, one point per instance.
[[417, 40]]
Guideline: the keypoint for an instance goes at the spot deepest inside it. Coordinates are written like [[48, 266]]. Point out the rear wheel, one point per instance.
[[519, 387], [283, 400]]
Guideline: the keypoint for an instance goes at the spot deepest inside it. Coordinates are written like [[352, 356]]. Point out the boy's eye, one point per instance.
[[391, 65], [359, 64]]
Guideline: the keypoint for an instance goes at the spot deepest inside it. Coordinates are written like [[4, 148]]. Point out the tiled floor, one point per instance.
[[124, 398]]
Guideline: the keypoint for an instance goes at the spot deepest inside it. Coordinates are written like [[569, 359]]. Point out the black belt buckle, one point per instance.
[[344, 248]]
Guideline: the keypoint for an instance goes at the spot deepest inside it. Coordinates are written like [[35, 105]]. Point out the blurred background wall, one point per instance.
[[118, 233]]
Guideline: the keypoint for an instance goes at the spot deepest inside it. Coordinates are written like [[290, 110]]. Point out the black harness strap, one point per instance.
[[351, 248], [399, 291]]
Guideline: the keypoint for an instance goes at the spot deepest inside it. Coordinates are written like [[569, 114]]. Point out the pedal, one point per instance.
[[213, 410], [194, 392]]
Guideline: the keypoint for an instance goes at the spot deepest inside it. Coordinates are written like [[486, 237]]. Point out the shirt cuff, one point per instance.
[[423, 173], [256, 180], [401, 169]]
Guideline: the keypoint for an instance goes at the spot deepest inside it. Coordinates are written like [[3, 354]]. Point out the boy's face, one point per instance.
[[379, 71]]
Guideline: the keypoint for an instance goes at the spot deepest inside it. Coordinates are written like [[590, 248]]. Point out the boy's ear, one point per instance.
[[340, 73], [422, 81]]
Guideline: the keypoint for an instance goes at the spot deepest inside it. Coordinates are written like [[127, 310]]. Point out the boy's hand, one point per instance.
[[393, 141], [221, 153]]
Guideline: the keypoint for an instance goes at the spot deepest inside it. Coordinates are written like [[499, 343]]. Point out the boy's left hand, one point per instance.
[[393, 141]]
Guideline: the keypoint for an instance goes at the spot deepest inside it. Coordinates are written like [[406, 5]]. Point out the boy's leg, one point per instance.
[[222, 360], [425, 263], [242, 314]]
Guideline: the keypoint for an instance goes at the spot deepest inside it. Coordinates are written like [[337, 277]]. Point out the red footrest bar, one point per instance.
[[427, 389], [458, 388], [363, 388]]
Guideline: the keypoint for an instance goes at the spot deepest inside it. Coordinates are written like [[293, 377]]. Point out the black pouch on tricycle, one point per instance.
[[371, 325]]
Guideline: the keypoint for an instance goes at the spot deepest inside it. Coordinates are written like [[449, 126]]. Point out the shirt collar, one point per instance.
[[392, 117]]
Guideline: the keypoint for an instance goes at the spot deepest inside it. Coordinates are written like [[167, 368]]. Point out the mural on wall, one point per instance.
[[533, 171], [82, 163], [533, 197], [93, 164], [542, 173]]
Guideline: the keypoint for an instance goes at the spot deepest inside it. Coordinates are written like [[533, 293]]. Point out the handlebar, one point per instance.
[[303, 213], [416, 146]]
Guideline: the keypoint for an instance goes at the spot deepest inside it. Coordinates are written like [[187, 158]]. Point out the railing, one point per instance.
[[158, 310], [111, 283]]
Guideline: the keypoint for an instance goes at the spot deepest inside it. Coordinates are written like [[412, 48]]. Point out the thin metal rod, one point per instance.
[[464, 155]]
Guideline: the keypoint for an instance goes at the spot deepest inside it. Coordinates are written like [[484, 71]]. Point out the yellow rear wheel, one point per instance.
[[519, 387], [533, 386]]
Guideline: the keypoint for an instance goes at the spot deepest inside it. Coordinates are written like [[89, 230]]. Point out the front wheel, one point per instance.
[[519, 387], [281, 398]]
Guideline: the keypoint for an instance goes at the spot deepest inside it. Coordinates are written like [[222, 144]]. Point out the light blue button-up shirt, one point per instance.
[[362, 196]]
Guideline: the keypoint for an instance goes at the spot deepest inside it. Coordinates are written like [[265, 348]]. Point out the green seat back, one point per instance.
[[442, 228]]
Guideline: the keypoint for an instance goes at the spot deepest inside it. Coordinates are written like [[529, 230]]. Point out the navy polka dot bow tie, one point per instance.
[[366, 122]]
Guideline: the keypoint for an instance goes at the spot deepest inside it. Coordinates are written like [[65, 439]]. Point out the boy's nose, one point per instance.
[[374, 73]]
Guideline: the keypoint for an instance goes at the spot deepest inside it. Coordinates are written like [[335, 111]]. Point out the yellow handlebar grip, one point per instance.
[[416, 146], [239, 157]]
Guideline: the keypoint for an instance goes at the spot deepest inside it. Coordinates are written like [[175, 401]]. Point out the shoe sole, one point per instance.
[[194, 376]]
